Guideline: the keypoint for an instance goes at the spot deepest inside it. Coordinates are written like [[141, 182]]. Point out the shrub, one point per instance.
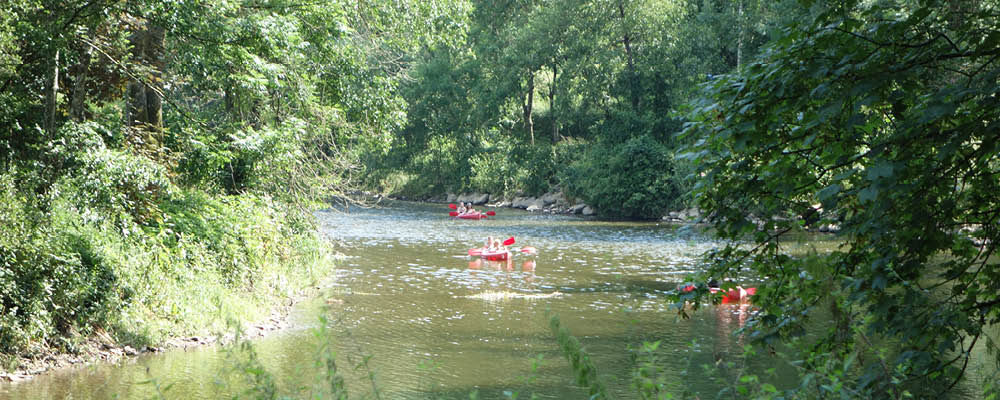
[[508, 168], [443, 166], [120, 185], [69, 265], [632, 180], [54, 278]]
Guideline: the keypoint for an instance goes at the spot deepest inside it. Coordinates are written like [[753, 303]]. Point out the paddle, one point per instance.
[[452, 206], [509, 241], [453, 213], [491, 213]]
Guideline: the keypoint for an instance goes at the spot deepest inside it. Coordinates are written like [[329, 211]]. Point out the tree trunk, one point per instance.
[[50, 99], [134, 110], [145, 101], [528, 104], [154, 93], [627, 40], [230, 102], [276, 106], [739, 38], [552, 104], [80, 84], [959, 10]]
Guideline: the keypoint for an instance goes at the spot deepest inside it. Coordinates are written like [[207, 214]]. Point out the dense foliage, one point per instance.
[[880, 118], [159, 159], [633, 180], [525, 76]]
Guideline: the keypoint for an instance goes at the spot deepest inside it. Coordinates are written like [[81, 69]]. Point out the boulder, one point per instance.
[[522, 202], [550, 198], [534, 207], [690, 214], [831, 228], [588, 211], [577, 208], [451, 198], [480, 199]]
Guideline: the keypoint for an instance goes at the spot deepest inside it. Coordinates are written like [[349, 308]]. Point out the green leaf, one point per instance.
[[881, 169], [868, 194], [829, 192]]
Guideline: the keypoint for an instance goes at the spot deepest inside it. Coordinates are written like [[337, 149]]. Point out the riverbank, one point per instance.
[[553, 202], [81, 284], [556, 202], [101, 347]]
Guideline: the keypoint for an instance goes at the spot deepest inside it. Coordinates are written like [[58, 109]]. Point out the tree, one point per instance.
[[880, 118]]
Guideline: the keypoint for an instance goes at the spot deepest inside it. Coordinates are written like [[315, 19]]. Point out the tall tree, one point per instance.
[[880, 118]]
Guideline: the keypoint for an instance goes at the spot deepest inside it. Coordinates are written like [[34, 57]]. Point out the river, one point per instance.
[[412, 317]]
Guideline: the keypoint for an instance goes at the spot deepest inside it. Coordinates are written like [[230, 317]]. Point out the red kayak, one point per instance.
[[494, 255], [471, 216], [500, 255], [734, 295]]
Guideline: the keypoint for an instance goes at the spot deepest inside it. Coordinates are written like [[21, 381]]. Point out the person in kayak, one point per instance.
[[489, 244], [498, 245], [734, 295], [461, 208]]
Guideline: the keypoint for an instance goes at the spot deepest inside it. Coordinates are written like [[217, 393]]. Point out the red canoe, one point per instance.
[[734, 295], [498, 255]]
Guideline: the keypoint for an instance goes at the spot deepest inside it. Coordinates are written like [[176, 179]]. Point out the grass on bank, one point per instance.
[[143, 265]]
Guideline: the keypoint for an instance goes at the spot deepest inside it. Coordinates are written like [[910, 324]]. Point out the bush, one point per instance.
[[68, 266], [634, 180], [54, 279], [120, 185], [443, 166], [509, 168]]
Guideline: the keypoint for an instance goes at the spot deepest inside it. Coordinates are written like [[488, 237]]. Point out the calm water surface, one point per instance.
[[433, 323]]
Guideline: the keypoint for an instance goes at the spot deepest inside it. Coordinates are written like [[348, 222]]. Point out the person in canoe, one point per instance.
[[498, 245], [734, 295]]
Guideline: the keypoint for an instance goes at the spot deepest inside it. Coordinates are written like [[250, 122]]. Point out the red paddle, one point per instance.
[[509, 241], [452, 206], [453, 213], [491, 213]]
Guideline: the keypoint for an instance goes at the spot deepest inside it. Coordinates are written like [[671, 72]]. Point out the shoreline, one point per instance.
[[101, 348]]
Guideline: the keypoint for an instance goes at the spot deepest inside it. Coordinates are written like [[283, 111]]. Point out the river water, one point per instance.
[[410, 316]]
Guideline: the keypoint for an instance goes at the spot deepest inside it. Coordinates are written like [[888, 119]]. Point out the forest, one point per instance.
[[160, 161]]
